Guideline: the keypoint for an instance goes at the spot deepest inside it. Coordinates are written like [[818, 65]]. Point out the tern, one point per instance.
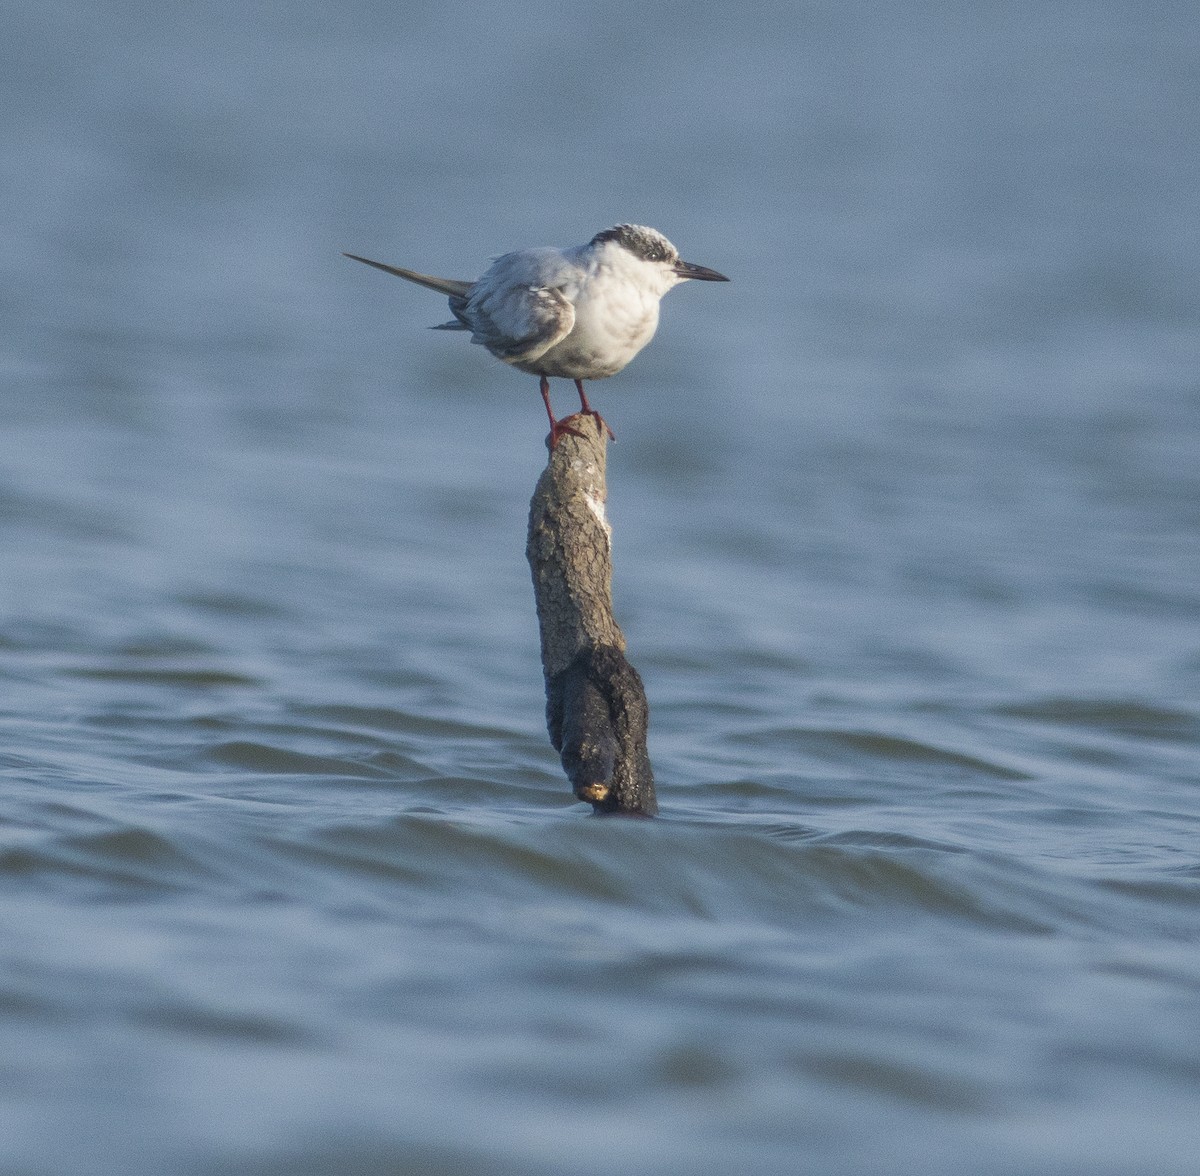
[[580, 313]]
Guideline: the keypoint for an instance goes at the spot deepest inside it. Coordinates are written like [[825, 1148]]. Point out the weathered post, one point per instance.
[[596, 707]]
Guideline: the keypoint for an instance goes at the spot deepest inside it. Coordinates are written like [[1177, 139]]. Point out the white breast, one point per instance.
[[614, 320]]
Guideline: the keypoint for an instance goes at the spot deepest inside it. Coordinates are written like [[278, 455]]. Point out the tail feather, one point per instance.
[[451, 287]]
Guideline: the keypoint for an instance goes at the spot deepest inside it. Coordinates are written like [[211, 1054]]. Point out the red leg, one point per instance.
[[556, 429], [587, 408]]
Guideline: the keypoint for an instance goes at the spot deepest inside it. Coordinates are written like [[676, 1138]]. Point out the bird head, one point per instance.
[[647, 251]]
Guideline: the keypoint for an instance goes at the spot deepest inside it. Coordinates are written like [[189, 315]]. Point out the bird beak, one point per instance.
[[685, 269]]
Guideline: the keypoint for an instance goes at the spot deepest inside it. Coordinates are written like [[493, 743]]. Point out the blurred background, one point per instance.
[[906, 545]]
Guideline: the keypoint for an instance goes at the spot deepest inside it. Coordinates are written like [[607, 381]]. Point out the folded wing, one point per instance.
[[518, 310], [517, 323]]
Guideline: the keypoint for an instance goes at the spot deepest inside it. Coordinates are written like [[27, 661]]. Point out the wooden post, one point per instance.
[[596, 707]]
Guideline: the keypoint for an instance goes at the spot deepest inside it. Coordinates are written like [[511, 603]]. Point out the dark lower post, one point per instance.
[[596, 708]]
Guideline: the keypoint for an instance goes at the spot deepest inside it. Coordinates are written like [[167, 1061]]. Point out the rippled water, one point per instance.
[[906, 520]]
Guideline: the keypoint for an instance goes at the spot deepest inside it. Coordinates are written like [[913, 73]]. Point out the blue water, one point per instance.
[[907, 550]]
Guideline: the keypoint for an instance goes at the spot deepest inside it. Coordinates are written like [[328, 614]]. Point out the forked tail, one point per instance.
[[451, 287]]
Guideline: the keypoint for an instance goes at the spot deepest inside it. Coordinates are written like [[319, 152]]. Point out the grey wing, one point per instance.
[[517, 323], [523, 305]]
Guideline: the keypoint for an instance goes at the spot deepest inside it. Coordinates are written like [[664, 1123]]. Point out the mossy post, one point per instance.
[[596, 707]]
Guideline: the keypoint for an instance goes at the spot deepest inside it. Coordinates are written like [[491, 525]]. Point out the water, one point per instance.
[[906, 551]]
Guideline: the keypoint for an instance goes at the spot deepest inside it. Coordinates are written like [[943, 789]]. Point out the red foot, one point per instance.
[[587, 408], [559, 428], [599, 421]]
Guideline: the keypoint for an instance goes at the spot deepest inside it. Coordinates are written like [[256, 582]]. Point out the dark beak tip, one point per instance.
[[699, 273]]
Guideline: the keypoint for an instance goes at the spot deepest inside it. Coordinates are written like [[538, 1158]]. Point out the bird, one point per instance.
[[580, 313]]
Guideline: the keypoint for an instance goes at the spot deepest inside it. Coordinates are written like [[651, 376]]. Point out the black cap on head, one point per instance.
[[646, 243]]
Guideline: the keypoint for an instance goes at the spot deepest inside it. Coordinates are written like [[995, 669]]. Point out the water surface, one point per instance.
[[906, 523]]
